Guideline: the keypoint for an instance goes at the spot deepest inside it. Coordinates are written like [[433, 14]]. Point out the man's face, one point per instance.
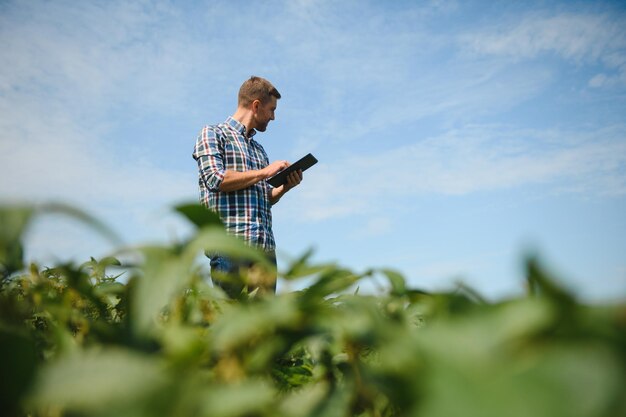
[[265, 113]]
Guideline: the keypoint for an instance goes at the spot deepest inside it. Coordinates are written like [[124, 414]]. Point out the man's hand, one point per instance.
[[293, 179], [274, 168]]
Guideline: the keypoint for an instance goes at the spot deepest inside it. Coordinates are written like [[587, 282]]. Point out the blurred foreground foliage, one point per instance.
[[78, 340]]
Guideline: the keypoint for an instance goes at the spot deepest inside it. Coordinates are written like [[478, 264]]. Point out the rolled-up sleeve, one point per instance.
[[209, 154]]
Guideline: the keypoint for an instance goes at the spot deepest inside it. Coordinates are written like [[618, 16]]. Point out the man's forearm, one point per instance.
[[234, 180]]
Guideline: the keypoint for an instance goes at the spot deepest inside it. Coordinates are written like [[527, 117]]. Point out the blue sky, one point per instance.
[[453, 137]]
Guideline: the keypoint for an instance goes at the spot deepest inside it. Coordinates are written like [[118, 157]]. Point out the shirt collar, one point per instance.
[[239, 127]]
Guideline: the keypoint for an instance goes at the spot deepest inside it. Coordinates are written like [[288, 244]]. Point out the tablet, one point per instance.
[[303, 163]]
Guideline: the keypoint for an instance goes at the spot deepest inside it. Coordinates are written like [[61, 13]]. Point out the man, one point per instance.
[[233, 168]]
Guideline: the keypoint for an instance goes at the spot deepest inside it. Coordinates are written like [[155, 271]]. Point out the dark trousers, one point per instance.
[[236, 275]]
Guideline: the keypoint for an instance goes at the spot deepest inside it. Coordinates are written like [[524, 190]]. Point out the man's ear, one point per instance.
[[255, 106]]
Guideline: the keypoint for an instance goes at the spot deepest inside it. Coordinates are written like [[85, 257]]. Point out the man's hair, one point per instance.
[[256, 88]]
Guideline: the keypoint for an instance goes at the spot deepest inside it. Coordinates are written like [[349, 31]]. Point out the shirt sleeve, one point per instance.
[[209, 153]]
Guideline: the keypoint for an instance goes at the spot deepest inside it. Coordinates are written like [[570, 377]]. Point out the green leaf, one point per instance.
[[331, 282], [239, 399], [557, 381], [18, 364], [540, 283], [183, 343], [90, 380], [163, 274], [199, 215], [302, 267], [13, 223], [98, 268], [248, 322], [302, 402], [398, 284], [14, 220], [336, 403]]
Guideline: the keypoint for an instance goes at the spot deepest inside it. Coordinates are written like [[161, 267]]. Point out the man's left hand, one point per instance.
[[293, 179]]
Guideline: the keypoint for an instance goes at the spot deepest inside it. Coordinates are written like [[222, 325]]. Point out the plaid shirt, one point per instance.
[[246, 213]]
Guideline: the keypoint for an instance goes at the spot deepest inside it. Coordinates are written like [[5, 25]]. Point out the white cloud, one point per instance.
[[53, 156], [573, 36], [72, 64], [469, 160], [581, 38], [95, 57]]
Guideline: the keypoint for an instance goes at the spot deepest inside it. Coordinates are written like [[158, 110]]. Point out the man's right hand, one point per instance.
[[275, 167]]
